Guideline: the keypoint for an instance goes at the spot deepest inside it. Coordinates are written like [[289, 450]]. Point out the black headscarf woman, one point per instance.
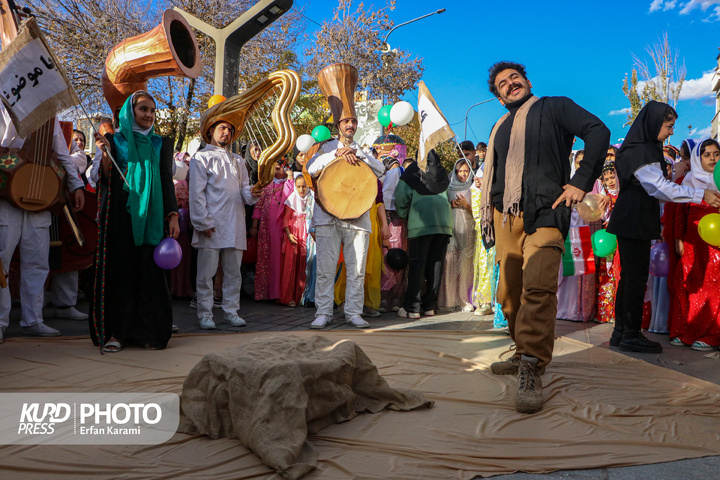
[[641, 145], [432, 182], [252, 154]]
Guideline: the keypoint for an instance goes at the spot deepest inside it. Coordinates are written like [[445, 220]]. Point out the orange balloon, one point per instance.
[[215, 99]]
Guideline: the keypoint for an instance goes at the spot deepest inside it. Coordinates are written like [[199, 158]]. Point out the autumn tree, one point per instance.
[[354, 37], [660, 79], [82, 32]]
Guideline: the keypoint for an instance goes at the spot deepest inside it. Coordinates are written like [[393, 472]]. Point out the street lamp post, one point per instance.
[[230, 39], [385, 47], [468, 111]]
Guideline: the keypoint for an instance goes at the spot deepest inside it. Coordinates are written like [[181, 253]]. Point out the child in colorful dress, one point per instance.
[[268, 216], [696, 311], [298, 207], [608, 268]]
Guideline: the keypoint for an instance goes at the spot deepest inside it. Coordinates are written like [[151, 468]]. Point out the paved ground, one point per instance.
[[267, 316]]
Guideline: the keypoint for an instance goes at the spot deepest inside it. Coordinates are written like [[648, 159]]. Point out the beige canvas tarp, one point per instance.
[[602, 409]]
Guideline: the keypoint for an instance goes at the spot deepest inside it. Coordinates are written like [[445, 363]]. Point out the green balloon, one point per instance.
[[384, 116], [716, 175], [321, 133], [603, 243]]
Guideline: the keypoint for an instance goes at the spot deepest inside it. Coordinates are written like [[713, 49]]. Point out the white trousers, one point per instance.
[[64, 289], [32, 232], [207, 264], [355, 246]]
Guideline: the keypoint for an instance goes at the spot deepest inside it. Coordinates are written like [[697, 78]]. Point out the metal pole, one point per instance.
[[468, 111], [385, 47]]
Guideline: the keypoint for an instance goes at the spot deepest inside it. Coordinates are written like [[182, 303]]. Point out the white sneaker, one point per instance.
[[235, 321], [320, 321], [70, 313], [41, 330], [429, 313], [357, 321], [484, 309], [467, 308], [207, 323], [402, 313], [370, 312]]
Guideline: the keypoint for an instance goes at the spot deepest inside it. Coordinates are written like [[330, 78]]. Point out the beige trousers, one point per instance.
[[528, 284]]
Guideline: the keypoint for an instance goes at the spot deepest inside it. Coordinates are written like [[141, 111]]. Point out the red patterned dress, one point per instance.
[[608, 278], [696, 283]]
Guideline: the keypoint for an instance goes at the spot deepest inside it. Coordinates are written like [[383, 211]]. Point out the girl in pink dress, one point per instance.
[[267, 226]]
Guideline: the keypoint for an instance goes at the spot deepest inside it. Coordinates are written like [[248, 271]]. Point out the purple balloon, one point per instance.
[[168, 253], [183, 219], [660, 260]]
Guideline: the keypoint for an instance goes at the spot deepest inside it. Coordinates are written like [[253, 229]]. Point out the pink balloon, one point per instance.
[[660, 260], [168, 254]]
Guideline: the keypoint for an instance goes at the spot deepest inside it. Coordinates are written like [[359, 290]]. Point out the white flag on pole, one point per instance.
[[434, 127]]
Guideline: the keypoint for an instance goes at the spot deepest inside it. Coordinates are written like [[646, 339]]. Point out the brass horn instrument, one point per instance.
[[168, 49], [261, 114]]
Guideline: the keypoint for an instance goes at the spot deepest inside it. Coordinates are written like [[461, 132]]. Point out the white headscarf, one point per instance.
[[457, 187], [697, 177], [295, 201]]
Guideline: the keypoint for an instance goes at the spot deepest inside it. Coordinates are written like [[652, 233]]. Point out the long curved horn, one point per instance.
[[168, 49]]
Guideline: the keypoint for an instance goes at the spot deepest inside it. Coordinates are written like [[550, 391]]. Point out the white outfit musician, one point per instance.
[[330, 232], [64, 285], [32, 232], [219, 190]]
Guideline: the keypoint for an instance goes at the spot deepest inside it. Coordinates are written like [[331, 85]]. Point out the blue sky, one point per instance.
[[578, 49]]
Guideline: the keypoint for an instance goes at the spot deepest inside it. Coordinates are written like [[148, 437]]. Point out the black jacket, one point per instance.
[[636, 214], [552, 123]]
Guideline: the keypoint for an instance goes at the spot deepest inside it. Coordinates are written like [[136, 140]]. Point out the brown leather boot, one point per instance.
[[529, 393]]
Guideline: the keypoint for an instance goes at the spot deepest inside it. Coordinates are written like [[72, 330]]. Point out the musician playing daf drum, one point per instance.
[[31, 230], [330, 231]]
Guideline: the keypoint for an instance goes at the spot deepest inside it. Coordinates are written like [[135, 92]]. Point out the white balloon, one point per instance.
[[304, 143], [181, 170], [401, 113]]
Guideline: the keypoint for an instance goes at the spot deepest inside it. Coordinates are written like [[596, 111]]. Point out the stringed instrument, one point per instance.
[[31, 178]]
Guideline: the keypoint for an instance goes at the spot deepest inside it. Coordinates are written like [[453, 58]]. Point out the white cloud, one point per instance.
[[655, 5], [689, 6], [693, 88], [662, 4], [622, 111], [697, 87], [693, 4], [700, 133]]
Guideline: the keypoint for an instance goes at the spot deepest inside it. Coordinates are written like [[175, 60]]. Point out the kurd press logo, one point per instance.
[[88, 418]]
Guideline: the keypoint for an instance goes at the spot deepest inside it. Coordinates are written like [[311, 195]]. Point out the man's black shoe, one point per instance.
[[616, 338], [636, 342]]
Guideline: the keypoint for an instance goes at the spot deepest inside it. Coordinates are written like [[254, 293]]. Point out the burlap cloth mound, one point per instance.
[[271, 393]]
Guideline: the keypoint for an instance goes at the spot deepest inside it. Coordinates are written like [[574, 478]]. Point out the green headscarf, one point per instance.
[[140, 152]]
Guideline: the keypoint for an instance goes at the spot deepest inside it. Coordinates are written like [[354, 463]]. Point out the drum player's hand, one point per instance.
[[348, 154]]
